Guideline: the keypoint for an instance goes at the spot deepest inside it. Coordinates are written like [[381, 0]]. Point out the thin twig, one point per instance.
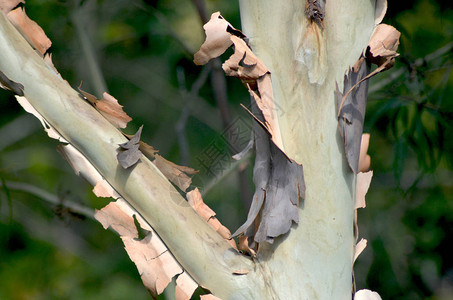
[[170, 32], [198, 84], [187, 96], [218, 83], [180, 126], [79, 20], [203, 112], [50, 198], [419, 62], [423, 100], [8, 199], [201, 8]]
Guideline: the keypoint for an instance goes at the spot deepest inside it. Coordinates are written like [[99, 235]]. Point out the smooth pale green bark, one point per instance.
[[313, 261], [206, 256]]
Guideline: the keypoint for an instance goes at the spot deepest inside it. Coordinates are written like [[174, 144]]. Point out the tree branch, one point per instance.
[[80, 18], [205, 255], [50, 198]]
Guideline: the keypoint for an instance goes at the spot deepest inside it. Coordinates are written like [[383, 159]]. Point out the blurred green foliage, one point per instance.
[[409, 216], [144, 50]]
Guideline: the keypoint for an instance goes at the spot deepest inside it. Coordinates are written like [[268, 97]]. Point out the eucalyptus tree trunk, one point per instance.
[[308, 47], [313, 261]]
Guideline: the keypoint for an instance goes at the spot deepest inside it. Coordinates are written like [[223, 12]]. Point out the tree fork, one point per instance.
[[308, 47]]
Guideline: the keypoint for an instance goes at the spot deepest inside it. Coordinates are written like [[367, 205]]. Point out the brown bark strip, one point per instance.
[[7, 5], [30, 30], [155, 263], [243, 64], [197, 203], [109, 107]]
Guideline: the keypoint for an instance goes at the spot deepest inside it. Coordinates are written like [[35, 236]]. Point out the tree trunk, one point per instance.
[[308, 48], [313, 261]]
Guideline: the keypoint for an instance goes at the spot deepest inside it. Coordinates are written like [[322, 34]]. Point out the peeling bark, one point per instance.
[[279, 187], [352, 113]]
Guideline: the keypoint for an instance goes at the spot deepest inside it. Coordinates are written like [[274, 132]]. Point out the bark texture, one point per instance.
[[308, 54]]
